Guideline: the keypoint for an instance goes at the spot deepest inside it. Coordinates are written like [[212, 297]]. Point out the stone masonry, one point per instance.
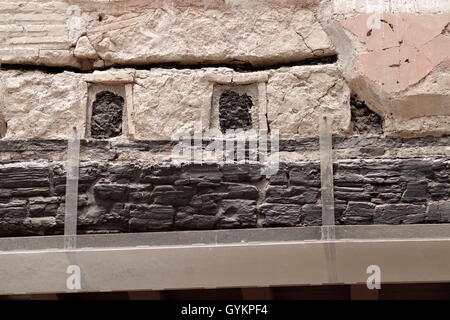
[[134, 196], [397, 61], [132, 76]]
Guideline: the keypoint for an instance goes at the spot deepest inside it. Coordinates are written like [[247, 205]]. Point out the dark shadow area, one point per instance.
[[234, 111], [406, 291], [107, 111], [237, 65], [364, 120]]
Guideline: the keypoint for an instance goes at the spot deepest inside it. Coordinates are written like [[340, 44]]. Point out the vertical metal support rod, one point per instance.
[[327, 193], [71, 206], [326, 176]]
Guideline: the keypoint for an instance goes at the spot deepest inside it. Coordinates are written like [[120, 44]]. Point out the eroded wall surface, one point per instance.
[[132, 75], [377, 181], [397, 61]]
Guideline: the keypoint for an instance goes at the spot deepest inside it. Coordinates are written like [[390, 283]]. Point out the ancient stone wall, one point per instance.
[[394, 61], [46, 106], [132, 75], [119, 195]]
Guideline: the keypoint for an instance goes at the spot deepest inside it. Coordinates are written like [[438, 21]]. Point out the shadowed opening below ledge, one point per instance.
[[364, 120], [235, 65]]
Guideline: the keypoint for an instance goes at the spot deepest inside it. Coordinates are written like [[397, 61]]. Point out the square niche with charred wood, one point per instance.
[[110, 105], [238, 103], [107, 112], [107, 115], [235, 110]]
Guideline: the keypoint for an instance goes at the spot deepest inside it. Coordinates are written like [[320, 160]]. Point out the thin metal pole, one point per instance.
[[326, 176], [71, 206], [327, 194]]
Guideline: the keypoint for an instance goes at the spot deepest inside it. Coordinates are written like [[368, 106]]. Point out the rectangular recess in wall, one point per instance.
[[238, 102], [235, 107], [109, 110]]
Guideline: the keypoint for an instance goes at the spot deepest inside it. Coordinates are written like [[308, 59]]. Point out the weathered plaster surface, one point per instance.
[[83, 33], [166, 101], [396, 61], [399, 64], [402, 49], [297, 96], [39, 105]]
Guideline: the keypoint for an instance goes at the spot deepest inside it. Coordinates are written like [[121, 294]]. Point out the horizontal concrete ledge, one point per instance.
[[235, 258], [226, 237]]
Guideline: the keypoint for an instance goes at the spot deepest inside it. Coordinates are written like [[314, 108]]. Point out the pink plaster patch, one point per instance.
[[402, 48]]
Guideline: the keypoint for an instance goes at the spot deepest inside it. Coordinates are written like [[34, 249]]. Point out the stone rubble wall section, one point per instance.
[[37, 105], [86, 34], [397, 61], [38, 33], [138, 197]]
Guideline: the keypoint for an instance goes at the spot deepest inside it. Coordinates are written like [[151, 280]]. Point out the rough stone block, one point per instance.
[[84, 49], [44, 207], [292, 195], [281, 215], [111, 192], [140, 194], [40, 225], [297, 96], [415, 192], [124, 172], [311, 215], [358, 213], [13, 212], [240, 191], [307, 175], [25, 192], [438, 212], [439, 191], [205, 204], [239, 213], [42, 106], [167, 195], [24, 175], [255, 34], [111, 76], [280, 178], [172, 99], [399, 214], [352, 194], [151, 218], [241, 173], [187, 221]]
